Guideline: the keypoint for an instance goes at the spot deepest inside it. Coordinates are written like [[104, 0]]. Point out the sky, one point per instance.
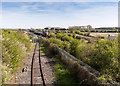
[[59, 14]]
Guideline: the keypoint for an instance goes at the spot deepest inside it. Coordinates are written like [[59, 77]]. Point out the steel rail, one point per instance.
[[32, 65], [42, 76]]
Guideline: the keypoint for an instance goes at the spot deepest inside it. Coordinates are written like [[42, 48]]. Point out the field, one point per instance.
[[103, 34]]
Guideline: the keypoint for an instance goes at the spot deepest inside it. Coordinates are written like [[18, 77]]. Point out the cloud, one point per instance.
[[60, 14]]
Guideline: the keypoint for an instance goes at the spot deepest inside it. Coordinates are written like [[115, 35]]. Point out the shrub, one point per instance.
[[77, 32], [73, 46], [105, 58], [105, 31], [52, 49], [15, 45], [52, 35], [69, 34], [66, 46], [66, 38], [57, 42], [81, 33], [87, 34], [84, 51], [114, 31], [45, 42], [92, 30], [96, 31], [87, 30], [74, 36], [59, 35], [78, 37], [82, 30]]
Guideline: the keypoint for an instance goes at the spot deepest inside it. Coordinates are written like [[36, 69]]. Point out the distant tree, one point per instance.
[[71, 28], [113, 28], [89, 27], [80, 27]]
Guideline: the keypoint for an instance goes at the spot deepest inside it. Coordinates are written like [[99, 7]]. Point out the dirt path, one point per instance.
[[23, 76]]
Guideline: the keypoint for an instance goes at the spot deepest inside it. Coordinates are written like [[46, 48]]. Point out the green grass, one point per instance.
[[62, 75], [42, 52]]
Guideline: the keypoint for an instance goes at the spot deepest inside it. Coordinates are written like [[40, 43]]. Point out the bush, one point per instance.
[[45, 42], [15, 46], [57, 42], [81, 33], [77, 32], [52, 35], [78, 37], [52, 49], [97, 31], [66, 46], [69, 34], [87, 34], [105, 58], [84, 51], [74, 44], [87, 30], [92, 30], [59, 35], [82, 30], [66, 38], [74, 36]]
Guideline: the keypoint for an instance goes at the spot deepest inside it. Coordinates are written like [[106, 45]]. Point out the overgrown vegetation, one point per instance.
[[62, 76], [102, 55], [15, 47]]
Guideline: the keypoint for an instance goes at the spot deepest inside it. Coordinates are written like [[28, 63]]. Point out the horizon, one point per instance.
[[59, 14]]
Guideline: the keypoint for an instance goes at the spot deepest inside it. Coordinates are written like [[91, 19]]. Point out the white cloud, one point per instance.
[[97, 16]]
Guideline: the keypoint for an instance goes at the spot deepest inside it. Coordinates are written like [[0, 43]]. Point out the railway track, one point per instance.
[[35, 70]]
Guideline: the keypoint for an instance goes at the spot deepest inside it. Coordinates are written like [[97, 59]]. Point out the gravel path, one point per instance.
[[23, 76]]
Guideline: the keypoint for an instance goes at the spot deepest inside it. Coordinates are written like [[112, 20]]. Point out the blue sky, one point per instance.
[[59, 14]]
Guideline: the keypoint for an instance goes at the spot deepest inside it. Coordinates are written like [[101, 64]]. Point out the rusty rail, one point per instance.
[[32, 66], [42, 76]]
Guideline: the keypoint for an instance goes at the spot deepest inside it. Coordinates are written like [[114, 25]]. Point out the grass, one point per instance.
[[62, 75]]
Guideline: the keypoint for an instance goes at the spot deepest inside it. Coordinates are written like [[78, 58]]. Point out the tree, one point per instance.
[[89, 27]]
